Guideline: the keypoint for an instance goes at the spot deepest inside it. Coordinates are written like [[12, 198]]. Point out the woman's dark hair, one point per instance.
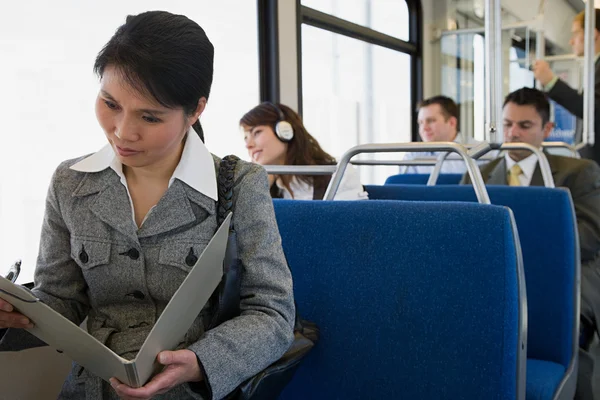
[[303, 149], [164, 55]]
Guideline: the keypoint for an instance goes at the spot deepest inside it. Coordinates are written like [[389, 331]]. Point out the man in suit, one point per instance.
[[570, 98], [438, 121], [526, 115]]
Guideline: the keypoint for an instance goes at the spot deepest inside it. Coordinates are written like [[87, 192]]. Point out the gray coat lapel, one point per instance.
[[174, 210], [495, 172], [110, 202]]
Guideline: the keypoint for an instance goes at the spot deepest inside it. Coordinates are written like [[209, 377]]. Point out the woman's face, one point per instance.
[[263, 146], [140, 130]]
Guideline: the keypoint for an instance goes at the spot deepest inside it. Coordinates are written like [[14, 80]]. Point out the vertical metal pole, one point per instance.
[[540, 50], [588, 75], [493, 71]]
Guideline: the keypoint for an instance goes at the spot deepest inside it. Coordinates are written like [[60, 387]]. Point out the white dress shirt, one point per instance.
[[196, 168], [527, 165], [448, 167], [350, 188]]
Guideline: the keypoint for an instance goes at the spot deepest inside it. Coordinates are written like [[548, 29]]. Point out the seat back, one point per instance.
[[548, 234], [402, 312], [421, 179]]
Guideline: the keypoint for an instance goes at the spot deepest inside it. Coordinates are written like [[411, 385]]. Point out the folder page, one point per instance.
[[62, 334], [186, 303], [169, 330]]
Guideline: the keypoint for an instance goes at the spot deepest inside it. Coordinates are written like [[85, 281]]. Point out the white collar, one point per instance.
[[196, 167], [527, 164]]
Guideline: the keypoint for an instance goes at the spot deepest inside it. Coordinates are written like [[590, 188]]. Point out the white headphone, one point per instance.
[[283, 129]]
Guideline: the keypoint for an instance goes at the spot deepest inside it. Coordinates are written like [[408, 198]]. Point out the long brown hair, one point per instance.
[[303, 149]]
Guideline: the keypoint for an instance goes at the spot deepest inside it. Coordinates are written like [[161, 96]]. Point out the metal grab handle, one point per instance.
[[300, 169], [475, 151], [419, 162], [558, 145], [542, 160], [433, 177], [472, 169]]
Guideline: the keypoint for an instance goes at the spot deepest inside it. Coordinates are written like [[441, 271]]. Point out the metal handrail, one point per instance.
[[493, 70], [476, 151], [557, 145], [419, 162], [531, 24], [472, 169], [300, 169], [587, 136], [542, 160], [479, 150]]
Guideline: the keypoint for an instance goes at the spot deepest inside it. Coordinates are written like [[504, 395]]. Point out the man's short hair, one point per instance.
[[531, 97], [448, 106], [581, 19]]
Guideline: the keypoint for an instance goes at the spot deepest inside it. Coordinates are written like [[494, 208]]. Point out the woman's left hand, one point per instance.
[[181, 366]]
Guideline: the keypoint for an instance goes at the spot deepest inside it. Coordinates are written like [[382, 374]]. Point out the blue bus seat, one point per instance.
[[548, 234], [421, 179], [402, 311]]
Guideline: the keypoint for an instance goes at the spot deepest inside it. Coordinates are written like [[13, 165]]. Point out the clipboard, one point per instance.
[[168, 331]]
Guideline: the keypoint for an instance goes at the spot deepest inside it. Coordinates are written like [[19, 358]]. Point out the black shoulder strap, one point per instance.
[[226, 298], [225, 187]]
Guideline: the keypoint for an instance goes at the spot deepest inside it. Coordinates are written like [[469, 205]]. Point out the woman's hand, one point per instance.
[[9, 318], [181, 367]]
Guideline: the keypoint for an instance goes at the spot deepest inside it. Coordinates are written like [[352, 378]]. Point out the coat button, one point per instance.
[[83, 256], [132, 253], [138, 295], [191, 258]]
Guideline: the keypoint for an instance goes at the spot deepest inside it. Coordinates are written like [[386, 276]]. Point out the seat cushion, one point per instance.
[[543, 378]]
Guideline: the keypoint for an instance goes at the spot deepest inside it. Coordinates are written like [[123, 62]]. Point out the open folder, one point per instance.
[[167, 333]]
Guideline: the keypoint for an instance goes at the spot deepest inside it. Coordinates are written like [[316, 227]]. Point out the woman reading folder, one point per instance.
[[124, 226]]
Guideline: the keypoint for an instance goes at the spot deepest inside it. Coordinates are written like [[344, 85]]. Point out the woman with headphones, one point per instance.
[[275, 135]]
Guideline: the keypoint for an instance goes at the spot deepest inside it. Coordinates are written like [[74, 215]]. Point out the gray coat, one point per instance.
[[94, 262]]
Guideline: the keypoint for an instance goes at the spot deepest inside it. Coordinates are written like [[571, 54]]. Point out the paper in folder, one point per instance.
[[167, 333]]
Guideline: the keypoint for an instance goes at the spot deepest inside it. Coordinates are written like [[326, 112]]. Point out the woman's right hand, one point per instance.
[[9, 318]]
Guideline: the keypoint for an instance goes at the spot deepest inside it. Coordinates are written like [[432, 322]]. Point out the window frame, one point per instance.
[[268, 36]]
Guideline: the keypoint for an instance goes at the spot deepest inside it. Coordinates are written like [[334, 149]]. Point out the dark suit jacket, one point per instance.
[[572, 100], [582, 178]]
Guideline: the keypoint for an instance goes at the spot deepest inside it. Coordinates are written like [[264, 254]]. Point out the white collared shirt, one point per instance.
[[350, 188], [527, 165], [448, 167], [196, 168]]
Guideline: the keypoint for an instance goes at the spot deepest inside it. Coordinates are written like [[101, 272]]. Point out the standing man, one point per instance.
[[568, 97]]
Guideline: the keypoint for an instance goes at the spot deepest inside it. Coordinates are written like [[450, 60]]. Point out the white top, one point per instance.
[[527, 165], [196, 167], [350, 188], [448, 167]]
